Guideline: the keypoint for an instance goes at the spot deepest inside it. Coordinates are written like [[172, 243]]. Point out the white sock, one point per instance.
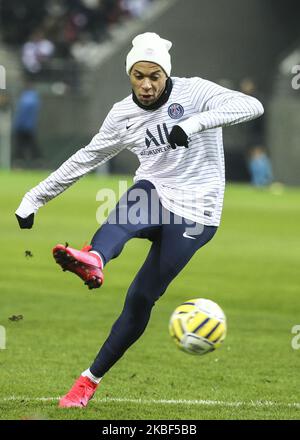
[[93, 378], [97, 253]]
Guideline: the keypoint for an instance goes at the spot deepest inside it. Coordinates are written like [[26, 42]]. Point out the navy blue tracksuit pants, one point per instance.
[[172, 247]]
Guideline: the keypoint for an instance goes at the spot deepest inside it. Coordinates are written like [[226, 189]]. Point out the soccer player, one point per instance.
[[174, 126]]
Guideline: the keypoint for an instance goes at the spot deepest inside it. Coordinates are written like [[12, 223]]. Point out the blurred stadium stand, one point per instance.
[[221, 41], [284, 118]]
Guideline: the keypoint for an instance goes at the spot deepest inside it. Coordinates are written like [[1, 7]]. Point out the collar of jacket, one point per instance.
[[161, 100]]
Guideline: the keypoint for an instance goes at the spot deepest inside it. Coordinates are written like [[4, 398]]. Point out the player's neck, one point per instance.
[[160, 101]]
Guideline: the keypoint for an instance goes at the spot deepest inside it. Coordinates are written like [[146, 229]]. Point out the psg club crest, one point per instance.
[[175, 111]]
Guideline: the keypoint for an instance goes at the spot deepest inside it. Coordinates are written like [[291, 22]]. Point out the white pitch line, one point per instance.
[[251, 403]]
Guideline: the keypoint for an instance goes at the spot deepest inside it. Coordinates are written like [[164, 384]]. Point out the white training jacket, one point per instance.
[[190, 181]]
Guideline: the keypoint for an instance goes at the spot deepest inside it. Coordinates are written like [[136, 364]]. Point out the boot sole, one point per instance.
[[64, 259]]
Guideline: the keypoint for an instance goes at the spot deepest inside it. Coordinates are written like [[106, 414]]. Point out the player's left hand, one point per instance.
[[178, 137]]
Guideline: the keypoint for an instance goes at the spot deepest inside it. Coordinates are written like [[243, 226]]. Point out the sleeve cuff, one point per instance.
[[26, 208], [191, 125]]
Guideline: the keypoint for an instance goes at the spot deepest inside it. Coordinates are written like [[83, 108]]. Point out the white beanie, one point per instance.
[[150, 47]]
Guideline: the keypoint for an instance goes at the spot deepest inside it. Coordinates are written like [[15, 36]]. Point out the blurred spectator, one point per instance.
[[260, 167], [36, 53], [19, 18], [259, 164], [56, 35], [135, 8], [85, 50], [70, 17], [25, 125], [255, 135]]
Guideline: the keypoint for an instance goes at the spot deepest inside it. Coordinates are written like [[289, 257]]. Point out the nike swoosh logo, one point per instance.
[[128, 126], [188, 236]]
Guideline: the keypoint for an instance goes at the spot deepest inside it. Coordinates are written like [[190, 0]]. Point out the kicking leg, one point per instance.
[[110, 238], [167, 257]]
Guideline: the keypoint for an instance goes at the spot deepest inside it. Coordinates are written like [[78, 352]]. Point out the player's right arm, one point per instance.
[[104, 145]]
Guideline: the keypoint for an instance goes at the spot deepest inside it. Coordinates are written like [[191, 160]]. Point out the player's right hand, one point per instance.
[[25, 214], [25, 223]]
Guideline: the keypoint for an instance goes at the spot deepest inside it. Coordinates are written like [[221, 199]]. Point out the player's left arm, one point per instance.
[[217, 107]]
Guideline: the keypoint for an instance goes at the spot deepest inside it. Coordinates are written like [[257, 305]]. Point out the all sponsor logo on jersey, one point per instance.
[[175, 111], [161, 136], [157, 140]]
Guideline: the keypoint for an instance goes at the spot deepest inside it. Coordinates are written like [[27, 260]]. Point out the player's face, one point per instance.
[[148, 81]]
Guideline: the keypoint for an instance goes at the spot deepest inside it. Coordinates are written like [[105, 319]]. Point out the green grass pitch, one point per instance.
[[250, 268]]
